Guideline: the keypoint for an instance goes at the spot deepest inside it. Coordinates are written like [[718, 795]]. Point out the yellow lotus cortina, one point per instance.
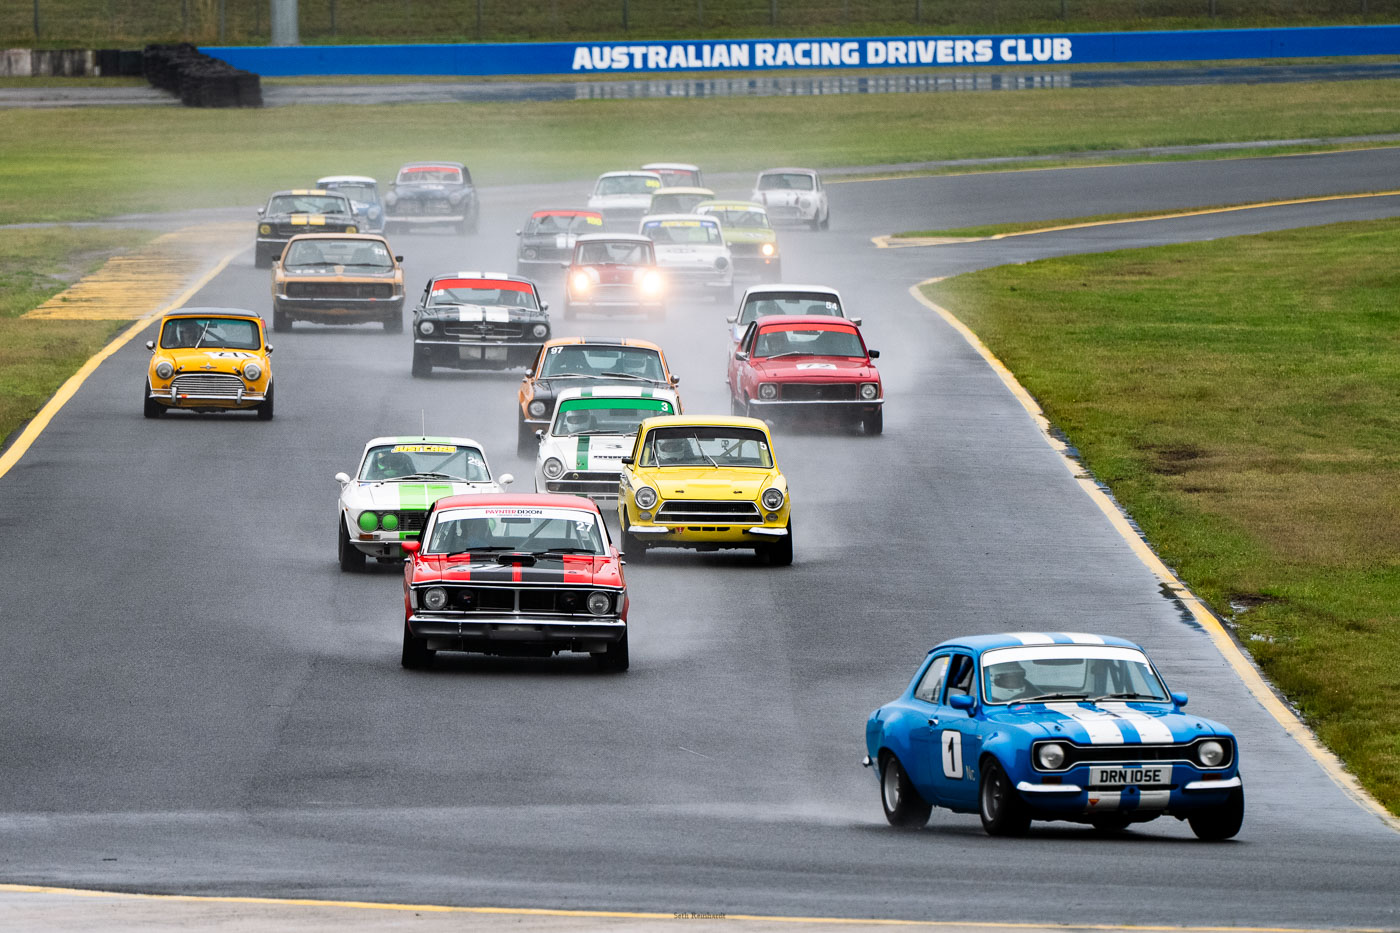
[[704, 482], [209, 359]]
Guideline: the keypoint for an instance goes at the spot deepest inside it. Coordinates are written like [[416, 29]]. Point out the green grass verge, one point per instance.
[[81, 163], [37, 356], [1239, 398]]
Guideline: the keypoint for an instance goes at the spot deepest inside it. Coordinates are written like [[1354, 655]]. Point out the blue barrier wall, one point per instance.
[[562, 58]]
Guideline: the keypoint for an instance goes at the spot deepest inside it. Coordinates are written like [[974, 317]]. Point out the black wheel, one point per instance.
[[352, 559], [816, 223], [632, 546], [1002, 810], [873, 423], [473, 224], [904, 806], [281, 321], [149, 406], [1222, 822], [615, 658], [526, 444], [416, 653], [826, 221], [736, 407], [261, 260], [265, 409], [421, 365], [393, 323], [780, 551]]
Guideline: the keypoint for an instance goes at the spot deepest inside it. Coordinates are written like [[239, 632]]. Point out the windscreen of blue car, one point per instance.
[[1069, 673]]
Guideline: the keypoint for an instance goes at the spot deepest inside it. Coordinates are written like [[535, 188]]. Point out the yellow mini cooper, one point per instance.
[[209, 359], [704, 482]]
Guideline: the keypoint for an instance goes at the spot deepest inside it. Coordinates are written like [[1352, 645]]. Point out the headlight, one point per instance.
[[869, 390], [434, 598], [368, 521], [264, 229], [351, 228], [645, 497], [389, 521], [553, 468], [804, 203], [391, 198], [599, 603], [581, 282], [651, 282], [767, 249], [540, 330], [1050, 756], [721, 262], [537, 409], [1210, 754], [772, 499], [252, 371], [164, 369], [426, 328], [455, 197], [531, 253], [768, 390], [373, 213]]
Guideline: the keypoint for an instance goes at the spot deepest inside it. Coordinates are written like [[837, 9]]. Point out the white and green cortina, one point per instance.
[[593, 429]]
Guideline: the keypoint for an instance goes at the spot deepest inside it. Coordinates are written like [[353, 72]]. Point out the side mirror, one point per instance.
[[627, 461], [398, 259], [675, 380], [151, 345], [874, 354], [856, 321], [517, 233], [261, 211], [1179, 699], [411, 547], [539, 433], [961, 701], [544, 306], [270, 348], [732, 318], [565, 265], [342, 479], [505, 479], [741, 354]]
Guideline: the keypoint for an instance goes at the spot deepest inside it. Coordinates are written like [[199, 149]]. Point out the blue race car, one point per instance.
[[1051, 726]]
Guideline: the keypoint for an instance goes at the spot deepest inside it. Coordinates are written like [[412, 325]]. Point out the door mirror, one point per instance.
[[874, 354], [857, 321], [732, 318], [1179, 699], [627, 461], [544, 306], [741, 354], [505, 479], [517, 233], [410, 547], [151, 345], [398, 259], [342, 479], [675, 380], [961, 701]]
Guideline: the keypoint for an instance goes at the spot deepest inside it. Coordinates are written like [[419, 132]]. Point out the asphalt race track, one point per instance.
[[194, 699]]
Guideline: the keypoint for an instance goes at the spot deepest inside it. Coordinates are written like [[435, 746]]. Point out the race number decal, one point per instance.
[[951, 742]]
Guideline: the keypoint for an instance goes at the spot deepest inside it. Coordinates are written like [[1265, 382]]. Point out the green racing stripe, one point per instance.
[[581, 457]]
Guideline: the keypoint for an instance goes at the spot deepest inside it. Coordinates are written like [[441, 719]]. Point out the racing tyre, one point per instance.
[[526, 444], [1002, 810], [281, 322], [736, 407], [150, 407], [393, 324], [416, 653], [421, 366], [265, 409], [1221, 822], [615, 658], [904, 807], [632, 546], [261, 260], [779, 553], [816, 223], [352, 559], [826, 221], [873, 423]]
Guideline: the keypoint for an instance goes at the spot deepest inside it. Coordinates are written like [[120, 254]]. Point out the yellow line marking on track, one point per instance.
[[36, 426], [127, 286], [890, 241], [1244, 668], [641, 915]]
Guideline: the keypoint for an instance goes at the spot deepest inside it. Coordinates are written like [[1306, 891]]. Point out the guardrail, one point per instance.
[[562, 58]]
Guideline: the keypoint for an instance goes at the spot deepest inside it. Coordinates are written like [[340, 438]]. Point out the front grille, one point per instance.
[[686, 511], [211, 385], [409, 522], [744, 250], [1131, 754], [343, 290], [332, 225], [485, 330], [819, 391], [783, 212], [426, 206], [525, 600]]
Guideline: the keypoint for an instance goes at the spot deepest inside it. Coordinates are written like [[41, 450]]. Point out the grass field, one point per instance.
[[37, 356], [1239, 397], [83, 164]]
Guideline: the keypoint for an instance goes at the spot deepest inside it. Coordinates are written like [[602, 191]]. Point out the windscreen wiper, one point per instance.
[[1054, 696], [492, 548], [1127, 696], [628, 376]]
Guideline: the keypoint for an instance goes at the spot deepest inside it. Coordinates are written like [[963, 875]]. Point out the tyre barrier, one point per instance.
[[198, 79]]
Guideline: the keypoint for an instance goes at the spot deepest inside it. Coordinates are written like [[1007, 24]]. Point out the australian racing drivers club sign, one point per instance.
[[816, 53]]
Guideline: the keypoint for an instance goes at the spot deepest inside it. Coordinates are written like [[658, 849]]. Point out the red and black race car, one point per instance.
[[806, 365], [524, 575]]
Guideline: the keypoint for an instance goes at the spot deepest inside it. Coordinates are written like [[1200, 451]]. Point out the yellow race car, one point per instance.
[[209, 359], [704, 482]]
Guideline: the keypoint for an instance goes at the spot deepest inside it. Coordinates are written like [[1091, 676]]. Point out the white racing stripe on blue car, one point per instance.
[[1033, 638], [1103, 800], [1080, 638], [1151, 729], [1101, 726], [1154, 799]]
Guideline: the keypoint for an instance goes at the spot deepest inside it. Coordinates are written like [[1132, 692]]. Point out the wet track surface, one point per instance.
[[194, 698]]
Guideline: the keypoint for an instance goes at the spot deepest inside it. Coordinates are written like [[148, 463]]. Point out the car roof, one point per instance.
[[784, 287], [603, 342], [980, 643], [803, 320], [570, 211], [213, 312], [355, 179], [690, 217], [686, 166], [431, 165], [524, 499], [420, 439], [789, 171], [630, 171], [700, 421], [628, 237], [617, 391], [732, 204], [340, 236], [334, 194], [683, 189], [476, 274]]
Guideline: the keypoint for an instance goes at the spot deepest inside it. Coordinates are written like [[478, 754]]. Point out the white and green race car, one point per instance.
[[593, 429], [399, 479]]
